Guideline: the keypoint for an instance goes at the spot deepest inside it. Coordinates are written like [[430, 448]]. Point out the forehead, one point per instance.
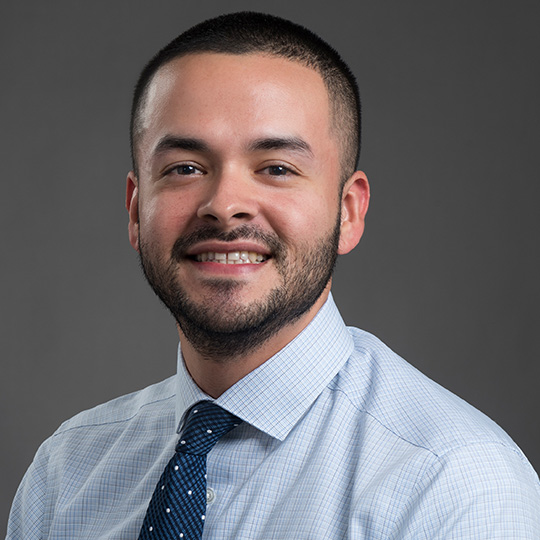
[[235, 96]]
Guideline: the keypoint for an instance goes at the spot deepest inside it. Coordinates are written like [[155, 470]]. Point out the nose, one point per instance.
[[229, 200]]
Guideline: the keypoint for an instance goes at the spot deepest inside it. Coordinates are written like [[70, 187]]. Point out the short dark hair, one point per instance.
[[250, 32]]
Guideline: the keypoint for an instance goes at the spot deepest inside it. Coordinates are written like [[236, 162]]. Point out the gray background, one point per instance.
[[447, 273]]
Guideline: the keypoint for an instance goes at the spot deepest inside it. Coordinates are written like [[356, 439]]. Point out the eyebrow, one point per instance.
[[294, 144], [172, 142]]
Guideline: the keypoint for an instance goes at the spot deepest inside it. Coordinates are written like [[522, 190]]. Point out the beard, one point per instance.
[[221, 328]]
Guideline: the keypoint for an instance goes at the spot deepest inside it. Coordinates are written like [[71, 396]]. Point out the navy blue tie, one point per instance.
[[178, 505]]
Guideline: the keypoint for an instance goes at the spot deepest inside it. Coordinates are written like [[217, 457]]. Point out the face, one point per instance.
[[237, 211]]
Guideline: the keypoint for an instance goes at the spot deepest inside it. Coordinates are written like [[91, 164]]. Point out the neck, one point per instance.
[[216, 375]]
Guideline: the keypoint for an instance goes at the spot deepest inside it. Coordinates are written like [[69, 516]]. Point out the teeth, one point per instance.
[[232, 257]]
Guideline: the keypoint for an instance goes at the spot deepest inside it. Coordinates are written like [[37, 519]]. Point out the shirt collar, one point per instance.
[[276, 395]]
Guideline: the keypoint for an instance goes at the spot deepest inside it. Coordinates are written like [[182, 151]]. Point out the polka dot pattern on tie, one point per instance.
[[178, 505]]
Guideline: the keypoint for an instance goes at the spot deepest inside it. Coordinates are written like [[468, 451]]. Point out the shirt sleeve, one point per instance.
[[481, 492], [27, 516]]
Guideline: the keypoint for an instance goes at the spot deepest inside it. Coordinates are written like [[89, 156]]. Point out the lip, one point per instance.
[[226, 247], [211, 268]]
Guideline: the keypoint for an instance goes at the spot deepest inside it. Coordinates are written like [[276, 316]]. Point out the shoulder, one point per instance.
[[134, 411], [457, 469], [416, 409], [90, 450]]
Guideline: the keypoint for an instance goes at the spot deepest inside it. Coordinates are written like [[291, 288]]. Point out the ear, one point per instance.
[[354, 206], [132, 206]]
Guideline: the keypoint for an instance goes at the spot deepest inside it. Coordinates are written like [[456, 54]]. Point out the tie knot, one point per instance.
[[206, 423]]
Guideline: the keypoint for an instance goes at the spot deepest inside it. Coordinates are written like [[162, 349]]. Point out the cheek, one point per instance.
[[162, 220], [304, 220]]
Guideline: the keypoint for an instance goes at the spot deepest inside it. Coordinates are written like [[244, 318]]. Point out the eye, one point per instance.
[[185, 169], [277, 170]]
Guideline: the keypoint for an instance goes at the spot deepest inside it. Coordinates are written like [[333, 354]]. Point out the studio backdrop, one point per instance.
[[447, 273]]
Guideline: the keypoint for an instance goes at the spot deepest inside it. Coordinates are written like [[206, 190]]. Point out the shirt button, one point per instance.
[[210, 495]]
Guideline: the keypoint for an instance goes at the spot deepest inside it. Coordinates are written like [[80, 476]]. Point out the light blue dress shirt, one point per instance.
[[341, 439]]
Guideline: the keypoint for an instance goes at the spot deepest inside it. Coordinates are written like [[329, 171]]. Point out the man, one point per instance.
[[243, 192]]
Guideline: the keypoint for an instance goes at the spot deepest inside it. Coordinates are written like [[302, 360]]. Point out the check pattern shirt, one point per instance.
[[341, 439]]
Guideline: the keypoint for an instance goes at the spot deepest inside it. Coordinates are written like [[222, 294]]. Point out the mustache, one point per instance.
[[244, 232]]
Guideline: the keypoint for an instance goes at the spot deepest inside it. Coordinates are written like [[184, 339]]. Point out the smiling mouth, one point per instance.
[[231, 257]]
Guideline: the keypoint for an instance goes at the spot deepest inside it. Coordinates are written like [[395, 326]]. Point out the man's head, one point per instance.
[[248, 33], [239, 205]]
